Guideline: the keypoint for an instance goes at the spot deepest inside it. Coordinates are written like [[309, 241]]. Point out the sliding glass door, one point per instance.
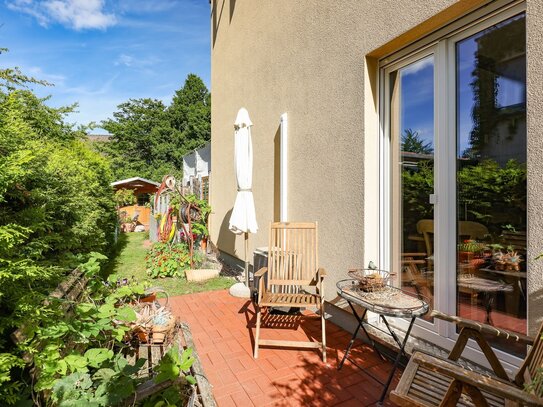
[[490, 69], [412, 133], [454, 170]]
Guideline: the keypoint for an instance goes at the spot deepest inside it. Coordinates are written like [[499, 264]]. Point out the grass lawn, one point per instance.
[[130, 263]]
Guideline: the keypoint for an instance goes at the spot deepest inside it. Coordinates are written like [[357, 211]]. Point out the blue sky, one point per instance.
[[101, 53]]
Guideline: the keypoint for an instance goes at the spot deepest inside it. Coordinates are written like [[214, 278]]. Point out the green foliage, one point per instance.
[[56, 206], [167, 260], [417, 185], [190, 113], [125, 197], [413, 143], [171, 365], [9, 388], [199, 227], [492, 195], [79, 356], [149, 139]]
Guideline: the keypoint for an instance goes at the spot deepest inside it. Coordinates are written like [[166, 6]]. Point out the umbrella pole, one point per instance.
[[246, 259]]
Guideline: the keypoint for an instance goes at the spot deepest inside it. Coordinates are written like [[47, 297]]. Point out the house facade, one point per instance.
[[413, 139], [196, 171]]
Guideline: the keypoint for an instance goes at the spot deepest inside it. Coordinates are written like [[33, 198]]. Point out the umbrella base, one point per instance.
[[240, 290]]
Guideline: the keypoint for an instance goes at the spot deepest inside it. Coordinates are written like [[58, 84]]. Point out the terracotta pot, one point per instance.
[[465, 257], [203, 244], [149, 298]]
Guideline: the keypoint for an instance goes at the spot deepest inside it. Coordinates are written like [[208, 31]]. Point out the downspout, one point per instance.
[[283, 213]]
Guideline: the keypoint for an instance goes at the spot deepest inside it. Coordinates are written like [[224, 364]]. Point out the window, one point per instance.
[[143, 199], [453, 116]]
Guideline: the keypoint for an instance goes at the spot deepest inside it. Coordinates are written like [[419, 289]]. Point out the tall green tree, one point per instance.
[[190, 112], [412, 142], [142, 143], [149, 139]]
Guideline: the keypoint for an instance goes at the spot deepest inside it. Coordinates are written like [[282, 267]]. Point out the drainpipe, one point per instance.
[[283, 214]]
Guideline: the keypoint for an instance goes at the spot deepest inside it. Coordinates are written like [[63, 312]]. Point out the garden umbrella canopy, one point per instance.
[[243, 218]]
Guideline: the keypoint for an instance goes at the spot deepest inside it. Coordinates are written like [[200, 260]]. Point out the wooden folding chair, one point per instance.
[[292, 265], [431, 381]]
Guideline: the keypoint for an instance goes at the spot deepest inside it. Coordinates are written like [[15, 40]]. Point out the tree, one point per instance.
[[412, 142], [142, 142], [190, 113], [149, 139]]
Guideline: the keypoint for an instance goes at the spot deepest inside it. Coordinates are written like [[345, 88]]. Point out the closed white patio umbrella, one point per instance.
[[243, 218]]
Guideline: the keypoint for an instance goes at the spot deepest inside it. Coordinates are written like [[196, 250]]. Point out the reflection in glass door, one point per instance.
[[411, 88], [491, 176]]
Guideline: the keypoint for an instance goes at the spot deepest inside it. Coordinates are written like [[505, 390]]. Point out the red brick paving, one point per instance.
[[223, 329]]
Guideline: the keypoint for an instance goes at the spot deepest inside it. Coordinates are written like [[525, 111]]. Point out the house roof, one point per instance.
[[134, 181]]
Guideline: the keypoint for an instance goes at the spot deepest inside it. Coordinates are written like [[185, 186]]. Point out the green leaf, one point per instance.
[[103, 375], [97, 356], [106, 311], [126, 314], [76, 362], [190, 379]]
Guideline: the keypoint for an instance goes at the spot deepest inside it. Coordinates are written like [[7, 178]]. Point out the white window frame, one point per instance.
[[442, 45]]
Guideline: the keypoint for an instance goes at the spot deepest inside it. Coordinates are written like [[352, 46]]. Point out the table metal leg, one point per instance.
[[360, 322], [398, 357]]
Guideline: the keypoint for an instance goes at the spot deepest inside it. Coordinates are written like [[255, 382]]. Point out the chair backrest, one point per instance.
[[531, 365], [473, 230], [426, 227], [292, 254]]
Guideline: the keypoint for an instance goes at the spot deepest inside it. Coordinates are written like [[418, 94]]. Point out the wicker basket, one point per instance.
[[370, 280]]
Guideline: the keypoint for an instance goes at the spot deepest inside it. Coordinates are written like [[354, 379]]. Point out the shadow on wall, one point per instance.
[[226, 241], [216, 14]]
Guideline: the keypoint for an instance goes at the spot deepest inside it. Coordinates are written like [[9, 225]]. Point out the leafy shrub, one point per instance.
[[168, 260], [124, 197], [80, 357], [56, 206]]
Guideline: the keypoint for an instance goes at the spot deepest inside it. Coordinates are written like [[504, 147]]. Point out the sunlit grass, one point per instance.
[[130, 263]]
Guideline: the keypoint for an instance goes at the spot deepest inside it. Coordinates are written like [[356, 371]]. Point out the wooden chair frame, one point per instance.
[[426, 375], [292, 264]]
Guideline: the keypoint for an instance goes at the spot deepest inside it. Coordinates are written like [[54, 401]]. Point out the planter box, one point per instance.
[[202, 394], [201, 274]]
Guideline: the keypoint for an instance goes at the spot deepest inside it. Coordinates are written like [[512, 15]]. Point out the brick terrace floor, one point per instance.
[[223, 329]]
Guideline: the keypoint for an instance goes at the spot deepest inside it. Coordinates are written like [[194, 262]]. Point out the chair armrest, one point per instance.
[[261, 272], [484, 328], [321, 273], [482, 382]]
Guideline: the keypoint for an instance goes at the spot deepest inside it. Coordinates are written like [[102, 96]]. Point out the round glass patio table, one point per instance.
[[387, 302]]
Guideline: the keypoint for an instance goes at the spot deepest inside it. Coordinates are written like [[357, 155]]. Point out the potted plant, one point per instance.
[[469, 249]]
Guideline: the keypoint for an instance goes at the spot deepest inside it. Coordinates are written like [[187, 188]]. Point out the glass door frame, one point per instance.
[[445, 151]]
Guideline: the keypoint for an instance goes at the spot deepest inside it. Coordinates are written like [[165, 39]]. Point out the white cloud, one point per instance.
[[418, 66], [38, 73], [76, 14], [140, 63], [125, 60]]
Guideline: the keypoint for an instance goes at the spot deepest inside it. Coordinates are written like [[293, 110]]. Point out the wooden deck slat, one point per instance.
[[271, 299]]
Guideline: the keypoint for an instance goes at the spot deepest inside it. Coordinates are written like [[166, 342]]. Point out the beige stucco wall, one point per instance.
[[310, 59]]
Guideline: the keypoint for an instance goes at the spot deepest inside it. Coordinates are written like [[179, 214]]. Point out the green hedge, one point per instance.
[[56, 206]]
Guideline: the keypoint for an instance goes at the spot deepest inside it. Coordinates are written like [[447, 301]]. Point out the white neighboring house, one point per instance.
[[196, 171]]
